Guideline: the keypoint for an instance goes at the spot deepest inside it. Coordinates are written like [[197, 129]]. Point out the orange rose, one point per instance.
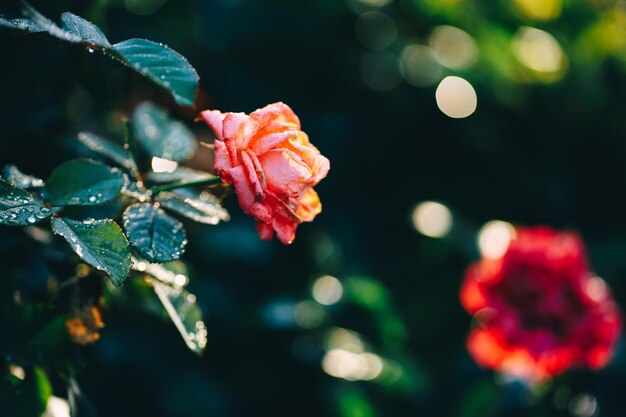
[[271, 164]]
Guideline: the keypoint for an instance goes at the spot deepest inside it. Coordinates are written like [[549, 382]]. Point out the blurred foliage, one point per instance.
[[544, 146]]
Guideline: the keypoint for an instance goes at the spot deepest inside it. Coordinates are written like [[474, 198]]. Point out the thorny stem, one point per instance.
[[185, 183]]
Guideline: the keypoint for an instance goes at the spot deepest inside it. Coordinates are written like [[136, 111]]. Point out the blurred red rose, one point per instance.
[[271, 164], [538, 308]]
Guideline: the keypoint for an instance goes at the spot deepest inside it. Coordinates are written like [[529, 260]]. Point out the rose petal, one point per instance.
[[275, 112], [222, 159], [252, 174], [258, 168], [215, 120], [264, 143], [472, 295], [265, 230], [311, 156], [309, 206], [285, 230], [486, 347], [231, 145], [247, 198], [239, 128], [272, 166], [285, 172]]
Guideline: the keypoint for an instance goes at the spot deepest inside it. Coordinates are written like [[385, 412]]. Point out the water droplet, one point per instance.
[[31, 219]]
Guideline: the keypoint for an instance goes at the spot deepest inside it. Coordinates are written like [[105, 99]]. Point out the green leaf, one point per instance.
[[162, 65], [100, 243], [20, 397], [155, 235], [135, 191], [181, 174], [173, 274], [185, 314], [48, 25], [16, 177], [161, 136], [18, 208], [367, 292], [86, 30], [21, 24], [43, 386], [351, 401], [6, 23], [201, 207], [83, 182], [112, 151]]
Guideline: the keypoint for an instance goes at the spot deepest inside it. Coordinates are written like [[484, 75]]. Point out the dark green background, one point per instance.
[[555, 156]]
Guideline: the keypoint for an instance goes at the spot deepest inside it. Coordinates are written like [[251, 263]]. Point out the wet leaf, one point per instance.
[[112, 151], [100, 243], [161, 64], [86, 30], [21, 24], [184, 312], [161, 136], [39, 20], [83, 182], [18, 208], [181, 174], [133, 190], [173, 274], [16, 177], [201, 207], [155, 235]]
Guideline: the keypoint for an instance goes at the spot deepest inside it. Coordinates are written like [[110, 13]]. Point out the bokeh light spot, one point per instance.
[[376, 3], [538, 50], [360, 6], [494, 238], [57, 407], [419, 66], [374, 366], [308, 314], [17, 371], [453, 47], [432, 219], [352, 366], [376, 30], [343, 364], [327, 290], [163, 165], [456, 97], [539, 9], [143, 7], [596, 288], [339, 338], [583, 405]]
